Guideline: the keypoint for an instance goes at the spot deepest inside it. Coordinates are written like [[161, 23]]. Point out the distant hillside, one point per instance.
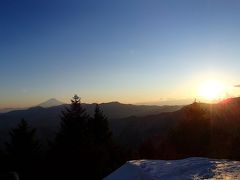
[[5, 110], [210, 130], [133, 131], [116, 110], [50, 117]]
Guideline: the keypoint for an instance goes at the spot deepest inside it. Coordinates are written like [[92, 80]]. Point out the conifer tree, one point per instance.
[[74, 125], [23, 142], [23, 150], [99, 127], [71, 149], [83, 147], [104, 150]]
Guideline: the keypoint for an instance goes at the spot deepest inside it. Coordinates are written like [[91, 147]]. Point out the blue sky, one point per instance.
[[106, 50]]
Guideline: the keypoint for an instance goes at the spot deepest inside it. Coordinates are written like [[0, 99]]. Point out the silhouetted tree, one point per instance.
[[23, 149], [99, 127], [83, 147], [74, 125], [103, 147], [72, 146], [23, 142]]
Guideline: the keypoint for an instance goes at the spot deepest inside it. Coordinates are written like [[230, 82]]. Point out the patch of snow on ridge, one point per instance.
[[226, 169], [184, 169], [190, 168]]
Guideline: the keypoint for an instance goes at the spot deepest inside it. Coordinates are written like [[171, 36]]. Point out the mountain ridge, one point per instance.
[[132, 122]]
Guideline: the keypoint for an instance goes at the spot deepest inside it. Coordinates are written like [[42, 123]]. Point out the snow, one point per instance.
[[190, 168]]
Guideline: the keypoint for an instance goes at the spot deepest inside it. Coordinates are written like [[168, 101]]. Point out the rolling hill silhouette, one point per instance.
[[131, 124], [47, 120]]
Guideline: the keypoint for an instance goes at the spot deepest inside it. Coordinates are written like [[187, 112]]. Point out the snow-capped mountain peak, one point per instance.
[[51, 102]]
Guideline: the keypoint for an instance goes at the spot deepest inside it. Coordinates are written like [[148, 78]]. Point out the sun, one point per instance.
[[212, 90]]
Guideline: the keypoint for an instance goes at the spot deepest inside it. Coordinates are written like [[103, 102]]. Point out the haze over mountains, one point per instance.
[[169, 102], [162, 102]]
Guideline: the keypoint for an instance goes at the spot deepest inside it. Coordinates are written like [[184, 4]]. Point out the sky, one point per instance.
[[132, 51]]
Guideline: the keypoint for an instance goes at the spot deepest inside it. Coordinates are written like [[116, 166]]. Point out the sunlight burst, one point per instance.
[[212, 90]]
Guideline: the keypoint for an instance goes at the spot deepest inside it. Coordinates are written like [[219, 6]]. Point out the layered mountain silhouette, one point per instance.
[[47, 120], [131, 124], [49, 116]]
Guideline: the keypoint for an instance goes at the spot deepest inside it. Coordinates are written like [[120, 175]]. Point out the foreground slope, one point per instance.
[[190, 168]]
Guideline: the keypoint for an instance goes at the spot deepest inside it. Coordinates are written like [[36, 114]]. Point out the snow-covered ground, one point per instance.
[[190, 168]]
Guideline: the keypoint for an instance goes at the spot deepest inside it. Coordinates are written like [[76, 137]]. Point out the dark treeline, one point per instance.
[[82, 149], [201, 132]]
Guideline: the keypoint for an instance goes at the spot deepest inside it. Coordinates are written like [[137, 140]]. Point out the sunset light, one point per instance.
[[127, 89], [212, 90]]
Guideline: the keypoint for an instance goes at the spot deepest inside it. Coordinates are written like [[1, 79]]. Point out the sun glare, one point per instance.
[[212, 90]]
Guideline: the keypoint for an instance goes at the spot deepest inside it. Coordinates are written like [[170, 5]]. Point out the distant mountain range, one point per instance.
[[47, 119], [147, 106], [45, 115], [131, 124]]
